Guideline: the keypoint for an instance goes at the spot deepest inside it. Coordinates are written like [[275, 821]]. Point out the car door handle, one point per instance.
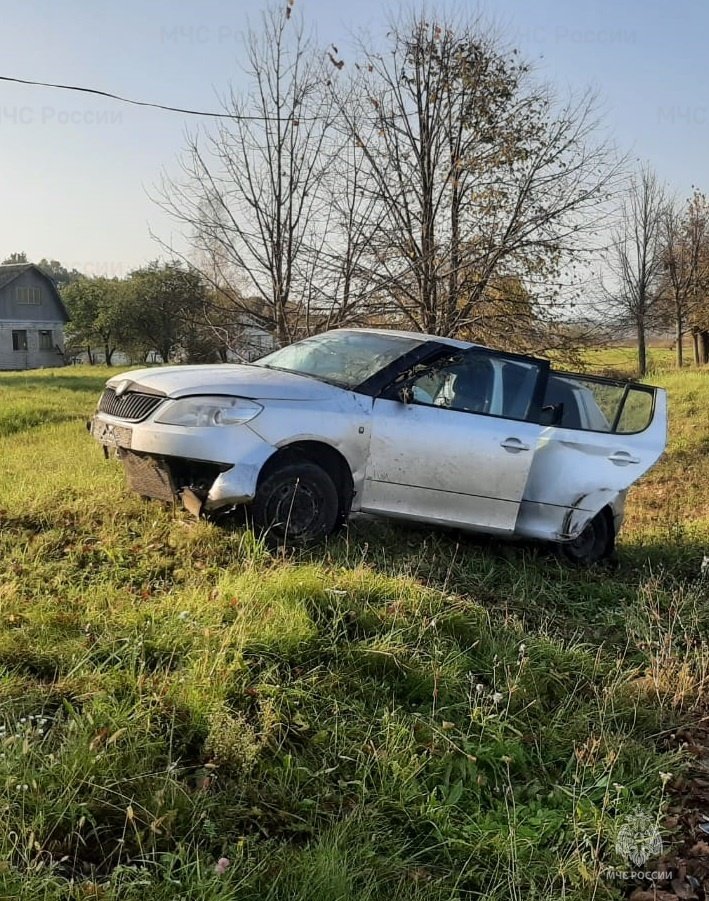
[[514, 445], [622, 458]]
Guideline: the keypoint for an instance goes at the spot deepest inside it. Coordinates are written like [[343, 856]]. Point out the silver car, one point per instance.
[[390, 423]]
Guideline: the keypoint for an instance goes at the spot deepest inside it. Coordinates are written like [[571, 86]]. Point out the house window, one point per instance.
[[19, 340], [46, 340], [31, 297]]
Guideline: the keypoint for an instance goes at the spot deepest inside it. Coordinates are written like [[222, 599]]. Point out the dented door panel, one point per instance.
[[439, 465], [576, 473], [459, 450]]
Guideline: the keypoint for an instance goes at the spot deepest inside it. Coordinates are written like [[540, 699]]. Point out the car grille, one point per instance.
[[131, 406]]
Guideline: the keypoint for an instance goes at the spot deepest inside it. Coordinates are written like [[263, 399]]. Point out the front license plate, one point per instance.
[[111, 435]]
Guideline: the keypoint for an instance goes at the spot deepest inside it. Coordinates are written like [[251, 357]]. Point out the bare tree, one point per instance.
[[408, 193], [337, 274], [251, 195], [473, 175], [685, 262], [635, 259]]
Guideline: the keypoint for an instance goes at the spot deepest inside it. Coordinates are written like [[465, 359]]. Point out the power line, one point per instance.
[[170, 109]]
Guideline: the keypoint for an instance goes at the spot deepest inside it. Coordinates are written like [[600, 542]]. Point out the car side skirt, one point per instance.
[[548, 522]]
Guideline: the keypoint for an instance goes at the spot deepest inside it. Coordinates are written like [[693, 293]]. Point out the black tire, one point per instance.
[[595, 543], [297, 503]]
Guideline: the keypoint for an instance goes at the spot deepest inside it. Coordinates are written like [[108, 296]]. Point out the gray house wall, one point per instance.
[[15, 316]]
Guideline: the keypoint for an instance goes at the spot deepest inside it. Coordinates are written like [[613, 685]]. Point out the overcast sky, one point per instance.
[[75, 169]]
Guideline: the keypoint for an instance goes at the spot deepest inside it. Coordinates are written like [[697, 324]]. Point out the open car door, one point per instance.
[[606, 435]]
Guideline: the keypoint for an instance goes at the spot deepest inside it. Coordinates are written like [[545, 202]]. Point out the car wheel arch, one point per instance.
[[585, 508], [607, 512], [327, 457], [595, 542]]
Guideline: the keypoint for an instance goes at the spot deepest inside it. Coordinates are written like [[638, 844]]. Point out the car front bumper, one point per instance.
[[161, 461]]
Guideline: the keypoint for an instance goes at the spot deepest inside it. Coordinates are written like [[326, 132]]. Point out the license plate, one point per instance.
[[111, 435]]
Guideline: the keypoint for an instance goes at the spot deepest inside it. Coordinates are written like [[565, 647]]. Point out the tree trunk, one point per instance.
[[107, 353], [281, 323], [89, 355], [455, 256], [679, 335], [704, 338], [642, 350], [695, 346]]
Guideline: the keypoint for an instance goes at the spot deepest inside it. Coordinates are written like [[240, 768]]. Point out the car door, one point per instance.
[[458, 448], [603, 435]]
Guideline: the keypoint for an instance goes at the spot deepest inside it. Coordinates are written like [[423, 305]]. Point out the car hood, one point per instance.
[[238, 380]]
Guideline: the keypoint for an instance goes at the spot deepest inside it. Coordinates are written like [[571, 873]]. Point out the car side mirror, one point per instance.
[[406, 394]]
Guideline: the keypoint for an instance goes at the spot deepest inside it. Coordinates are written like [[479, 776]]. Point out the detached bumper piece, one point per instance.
[[148, 476], [192, 502]]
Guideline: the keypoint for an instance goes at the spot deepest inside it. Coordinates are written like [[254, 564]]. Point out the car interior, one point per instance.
[[560, 407], [472, 386]]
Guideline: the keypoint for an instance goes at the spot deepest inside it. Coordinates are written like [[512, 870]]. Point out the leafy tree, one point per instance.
[[16, 258], [59, 274], [97, 307], [165, 311]]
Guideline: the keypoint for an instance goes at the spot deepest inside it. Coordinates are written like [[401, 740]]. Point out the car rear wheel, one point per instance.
[[296, 503], [595, 543]]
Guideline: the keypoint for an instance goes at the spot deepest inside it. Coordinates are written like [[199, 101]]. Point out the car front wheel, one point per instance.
[[593, 544], [296, 503]]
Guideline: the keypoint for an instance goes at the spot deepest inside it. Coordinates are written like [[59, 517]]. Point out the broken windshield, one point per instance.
[[346, 359]]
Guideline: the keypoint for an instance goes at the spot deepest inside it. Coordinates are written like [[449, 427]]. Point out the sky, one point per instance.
[[77, 171]]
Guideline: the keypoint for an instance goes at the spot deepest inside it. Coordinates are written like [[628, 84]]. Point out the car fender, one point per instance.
[[588, 506], [344, 425]]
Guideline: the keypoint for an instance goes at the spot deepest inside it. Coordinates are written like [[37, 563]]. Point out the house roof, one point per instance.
[[10, 271]]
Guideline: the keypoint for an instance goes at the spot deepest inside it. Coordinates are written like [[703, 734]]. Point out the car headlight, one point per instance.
[[208, 411]]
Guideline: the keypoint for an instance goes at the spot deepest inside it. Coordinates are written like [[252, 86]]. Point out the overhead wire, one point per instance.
[[161, 106]]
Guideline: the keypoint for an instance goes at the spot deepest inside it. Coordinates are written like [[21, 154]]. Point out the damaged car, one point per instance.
[[395, 424]]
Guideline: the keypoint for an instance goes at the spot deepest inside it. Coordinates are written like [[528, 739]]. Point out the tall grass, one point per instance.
[[403, 713]]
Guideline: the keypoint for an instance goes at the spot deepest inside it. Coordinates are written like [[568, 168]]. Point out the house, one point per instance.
[[246, 336], [32, 319], [254, 341]]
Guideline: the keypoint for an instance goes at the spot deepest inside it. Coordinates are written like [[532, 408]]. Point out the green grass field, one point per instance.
[[403, 714]]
